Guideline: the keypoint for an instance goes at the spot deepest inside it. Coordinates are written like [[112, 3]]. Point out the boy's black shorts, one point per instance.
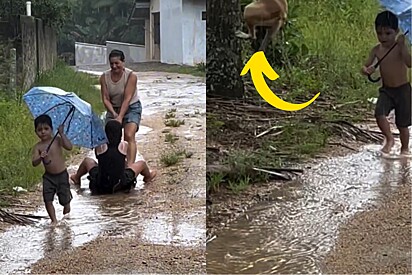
[[398, 98], [57, 183]]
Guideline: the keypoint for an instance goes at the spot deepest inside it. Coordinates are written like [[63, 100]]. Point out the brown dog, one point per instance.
[[267, 13]]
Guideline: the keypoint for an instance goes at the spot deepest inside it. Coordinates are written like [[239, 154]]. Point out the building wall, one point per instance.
[[171, 36], [155, 5], [90, 54], [133, 53], [194, 32]]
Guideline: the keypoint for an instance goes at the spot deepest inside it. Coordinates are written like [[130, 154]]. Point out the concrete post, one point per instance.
[[13, 72]]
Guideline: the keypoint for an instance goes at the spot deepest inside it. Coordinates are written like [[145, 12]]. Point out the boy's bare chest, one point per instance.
[[53, 150], [391, 60]]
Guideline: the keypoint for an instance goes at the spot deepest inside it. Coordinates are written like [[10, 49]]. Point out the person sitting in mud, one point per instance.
[[112, 173], [395, 92], [55, 178]]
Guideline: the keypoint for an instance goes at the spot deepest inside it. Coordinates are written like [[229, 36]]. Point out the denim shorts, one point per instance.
[[133, 114]]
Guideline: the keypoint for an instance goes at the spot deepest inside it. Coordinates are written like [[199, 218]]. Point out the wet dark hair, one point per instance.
[[387, 19], [117, 53], [43, 119], [113, 131]]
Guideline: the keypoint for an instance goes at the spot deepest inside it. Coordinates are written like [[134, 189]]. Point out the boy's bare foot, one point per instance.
[[153, 174], [388, 146], [74, 179], [405, 153]]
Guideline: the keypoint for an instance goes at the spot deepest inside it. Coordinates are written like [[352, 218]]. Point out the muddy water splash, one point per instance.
[[292, 233], [118, 215]]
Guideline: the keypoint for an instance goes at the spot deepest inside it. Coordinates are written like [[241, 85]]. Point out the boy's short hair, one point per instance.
[[387, 19], [43, 119]]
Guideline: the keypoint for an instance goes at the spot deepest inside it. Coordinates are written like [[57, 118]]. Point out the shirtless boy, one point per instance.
[[56, 177], [395, 92]]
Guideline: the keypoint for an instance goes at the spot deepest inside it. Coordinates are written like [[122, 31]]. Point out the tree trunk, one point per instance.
[[224, 49]]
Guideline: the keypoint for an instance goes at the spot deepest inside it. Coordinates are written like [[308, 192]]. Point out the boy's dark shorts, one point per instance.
[[398, 98], [93, 175], [57, 184]]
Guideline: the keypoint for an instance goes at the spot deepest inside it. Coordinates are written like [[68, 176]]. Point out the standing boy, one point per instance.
[[395, 92], [56, 177]]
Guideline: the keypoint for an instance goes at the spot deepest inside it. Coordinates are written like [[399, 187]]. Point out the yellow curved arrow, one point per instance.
[[259, 65]]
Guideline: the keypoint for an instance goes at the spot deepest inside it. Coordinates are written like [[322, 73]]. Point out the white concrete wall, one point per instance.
[[89, 54], [171, 36], [133, 53], [194, 32], [154, 5]]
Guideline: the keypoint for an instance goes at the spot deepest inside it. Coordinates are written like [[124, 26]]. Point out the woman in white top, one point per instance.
[[119, 95]]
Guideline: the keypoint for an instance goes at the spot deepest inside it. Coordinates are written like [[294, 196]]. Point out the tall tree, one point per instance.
[[224, 49]]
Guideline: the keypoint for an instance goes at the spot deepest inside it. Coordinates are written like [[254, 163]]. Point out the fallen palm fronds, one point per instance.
[[21, 219], [232, 171]]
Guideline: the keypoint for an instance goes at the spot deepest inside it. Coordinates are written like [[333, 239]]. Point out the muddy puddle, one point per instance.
[[292, 233], [119, 215]]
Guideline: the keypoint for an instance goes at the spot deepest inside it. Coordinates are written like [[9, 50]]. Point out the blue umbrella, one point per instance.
[[402, 9], [83, 129]]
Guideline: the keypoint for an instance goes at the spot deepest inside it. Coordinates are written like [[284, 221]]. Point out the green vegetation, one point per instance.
[[173, 157], [174, 122], [79, 83], [17, 128], [171, 138], [321, 49], [54, 13]]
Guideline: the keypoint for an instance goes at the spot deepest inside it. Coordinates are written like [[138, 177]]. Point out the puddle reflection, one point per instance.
[[292, 233]]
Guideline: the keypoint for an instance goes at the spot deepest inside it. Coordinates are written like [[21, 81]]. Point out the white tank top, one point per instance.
[[116, 89]]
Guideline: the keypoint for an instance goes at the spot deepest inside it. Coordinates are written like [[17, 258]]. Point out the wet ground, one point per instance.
[[297, 230], [161, 224]]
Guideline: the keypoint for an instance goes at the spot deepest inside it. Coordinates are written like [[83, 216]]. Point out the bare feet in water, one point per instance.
[[388, 144], [153, 174], [405, 153], [74, 179]]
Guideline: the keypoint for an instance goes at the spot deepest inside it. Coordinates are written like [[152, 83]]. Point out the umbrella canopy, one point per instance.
[[82, 126], [402, 8]]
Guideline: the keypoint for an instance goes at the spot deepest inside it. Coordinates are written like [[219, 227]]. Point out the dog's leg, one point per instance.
[[270, 33], [242, 35], [251, 32]]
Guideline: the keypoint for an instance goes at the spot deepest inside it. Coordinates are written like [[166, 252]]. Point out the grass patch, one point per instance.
[[239, 185], [80, 83], [18, 137], [170, 114], [17, 129], [174, 122], [171, 138], [171, 158], [324, 52], [174, 156]]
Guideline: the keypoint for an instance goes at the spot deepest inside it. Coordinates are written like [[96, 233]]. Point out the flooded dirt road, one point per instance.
[[155, 228], [294, 231]]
